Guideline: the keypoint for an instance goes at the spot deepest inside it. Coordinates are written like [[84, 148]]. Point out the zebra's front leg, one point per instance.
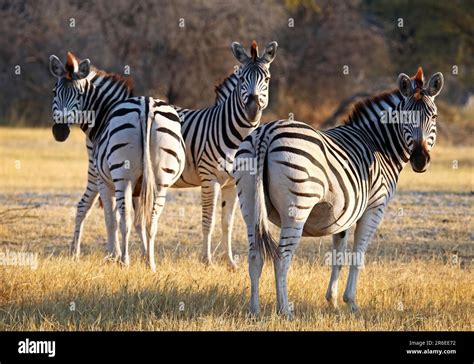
[[365, 229], [229, 201], [339, 243], [124, 206], [83, 209], [209, 195], [108, 202], [290, 237]]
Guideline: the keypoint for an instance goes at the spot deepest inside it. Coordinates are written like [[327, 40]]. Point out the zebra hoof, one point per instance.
[[207, 261], [332, 302], [353, 307], [125, 261], [233, 266], [287, 315], [110, 258], [74, 256], [254, 312]]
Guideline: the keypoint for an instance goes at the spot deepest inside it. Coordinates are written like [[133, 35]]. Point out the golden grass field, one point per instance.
[[418, 275]]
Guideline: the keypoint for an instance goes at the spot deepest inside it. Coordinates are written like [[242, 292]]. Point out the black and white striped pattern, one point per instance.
[[213, 134], [313, 183], [138, 150]]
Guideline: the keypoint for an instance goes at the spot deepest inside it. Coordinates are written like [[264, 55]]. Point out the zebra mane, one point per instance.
[[127, 82], [224, 89], [365, 104]]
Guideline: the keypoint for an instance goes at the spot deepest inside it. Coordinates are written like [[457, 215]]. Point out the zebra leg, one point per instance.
[[290, 237], [365, 229], [255, 258], [124, 205], [140, 229], [246, 191], [339, 243], [108, 202], [83, 209], [88, 200], [229, 201], [255, 271], [158, 206], [209, 194]]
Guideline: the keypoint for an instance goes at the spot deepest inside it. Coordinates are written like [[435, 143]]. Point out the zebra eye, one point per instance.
[[242, 79], [267, 79]]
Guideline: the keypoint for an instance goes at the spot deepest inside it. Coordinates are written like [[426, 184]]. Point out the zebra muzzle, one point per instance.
[[60, 132], [253, 108], [253, 101], [420, 159]]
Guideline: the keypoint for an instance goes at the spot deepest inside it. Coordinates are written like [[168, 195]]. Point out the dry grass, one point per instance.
[[410, 282], [184, 295]]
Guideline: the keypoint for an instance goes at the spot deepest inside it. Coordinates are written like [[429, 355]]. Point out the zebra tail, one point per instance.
[[148, 188], [264, 241]]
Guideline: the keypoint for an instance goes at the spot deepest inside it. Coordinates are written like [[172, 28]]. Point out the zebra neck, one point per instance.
[[105, 95], [382, 133]]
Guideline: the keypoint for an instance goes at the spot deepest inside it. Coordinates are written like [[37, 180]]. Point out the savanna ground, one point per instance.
[[418, 274]]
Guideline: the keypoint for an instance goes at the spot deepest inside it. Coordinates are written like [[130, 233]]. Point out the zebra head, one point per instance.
[[419, 124], [67, 92], [254, 78]]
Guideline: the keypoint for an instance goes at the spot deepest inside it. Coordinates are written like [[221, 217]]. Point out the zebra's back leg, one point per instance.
[[339, 243], [365, 229], [123, 192], [290, 237], [229, 202], [209, 195], [158, 205], [108, 201], [141, 230], [84, 205], [294, 202], [246, 192]]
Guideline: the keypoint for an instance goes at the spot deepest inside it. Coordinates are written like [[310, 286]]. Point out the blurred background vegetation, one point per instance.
[[178, 50]]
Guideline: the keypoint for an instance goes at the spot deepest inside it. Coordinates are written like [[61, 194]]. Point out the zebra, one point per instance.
[[315, 183], [213, 134], [137, 148]]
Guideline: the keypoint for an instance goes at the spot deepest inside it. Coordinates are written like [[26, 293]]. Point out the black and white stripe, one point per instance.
[[314, 183]]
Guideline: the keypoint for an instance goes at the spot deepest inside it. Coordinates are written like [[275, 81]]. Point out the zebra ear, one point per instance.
[[83, 69], [56, 67], [269, 53], [239, 52], [435, 84], [404, 85]]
